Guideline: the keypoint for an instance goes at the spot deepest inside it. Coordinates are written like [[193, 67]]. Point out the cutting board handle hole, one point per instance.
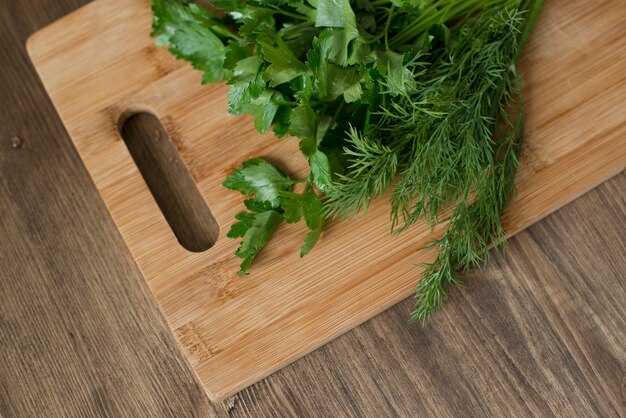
[[169, 181]]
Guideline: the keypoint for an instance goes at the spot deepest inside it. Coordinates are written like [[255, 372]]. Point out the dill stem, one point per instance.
[[533, 13]]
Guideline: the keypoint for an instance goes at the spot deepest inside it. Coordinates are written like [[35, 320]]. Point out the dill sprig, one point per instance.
[[447, 144]]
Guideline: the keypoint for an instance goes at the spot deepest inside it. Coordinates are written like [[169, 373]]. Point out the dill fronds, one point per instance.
[[450, 144]]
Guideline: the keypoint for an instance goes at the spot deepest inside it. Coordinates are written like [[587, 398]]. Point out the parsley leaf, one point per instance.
[[310, 240], [259, 178], [284, 66], [271, 201], [266, 184], [303, 125], [256, 21], [256, 230], [332, 80], [246, 84], [264, 109], [320, 170], [190, 32], [307, 206], [338, 14]]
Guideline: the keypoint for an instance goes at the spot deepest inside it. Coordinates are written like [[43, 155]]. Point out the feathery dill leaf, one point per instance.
[[372, 166]]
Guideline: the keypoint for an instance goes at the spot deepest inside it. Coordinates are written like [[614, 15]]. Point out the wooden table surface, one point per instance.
[[540, 332]]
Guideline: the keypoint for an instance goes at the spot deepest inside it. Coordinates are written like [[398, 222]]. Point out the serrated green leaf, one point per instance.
[[335, 14], [310, 240], [320, 170], [247, 69], [234, 54], [242, 93], [239, 229], [263, 108], [341, 80], [246, 84], [332, 80], [255, 21], [304, 121], [245, 265], [259, 178], [257, 206], [342, 52], [284, 66], [298, 38], [282, 121], [303, 88], [308, 146], [338, 14], [303, 126], [189, 31], [292, 204], [312, 210], [256, 236], [317, 61], [353, 93], [305, 205]]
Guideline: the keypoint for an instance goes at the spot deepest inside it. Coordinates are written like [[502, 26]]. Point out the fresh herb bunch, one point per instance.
[[419, 97]]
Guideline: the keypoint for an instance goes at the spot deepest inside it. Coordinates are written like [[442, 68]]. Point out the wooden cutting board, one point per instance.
[[99, 63]]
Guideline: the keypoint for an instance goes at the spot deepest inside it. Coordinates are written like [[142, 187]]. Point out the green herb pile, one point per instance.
[[416, 99]]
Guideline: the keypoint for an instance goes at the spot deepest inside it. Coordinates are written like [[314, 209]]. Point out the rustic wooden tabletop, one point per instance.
[[540, 332]]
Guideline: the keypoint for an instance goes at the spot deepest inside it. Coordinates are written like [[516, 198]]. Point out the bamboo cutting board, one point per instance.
[[99, 63]]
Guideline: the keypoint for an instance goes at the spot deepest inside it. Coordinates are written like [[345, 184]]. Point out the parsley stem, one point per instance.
[[225, 33], [289, 14], [336, 115], [386, 31], [441, 14]]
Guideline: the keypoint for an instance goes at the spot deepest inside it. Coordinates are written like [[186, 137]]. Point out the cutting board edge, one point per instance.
[[217, 396], [32, 38]]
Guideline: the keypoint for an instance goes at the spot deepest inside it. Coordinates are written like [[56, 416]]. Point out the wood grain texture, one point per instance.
[[539, 332], [99, 63], [169, 182]]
